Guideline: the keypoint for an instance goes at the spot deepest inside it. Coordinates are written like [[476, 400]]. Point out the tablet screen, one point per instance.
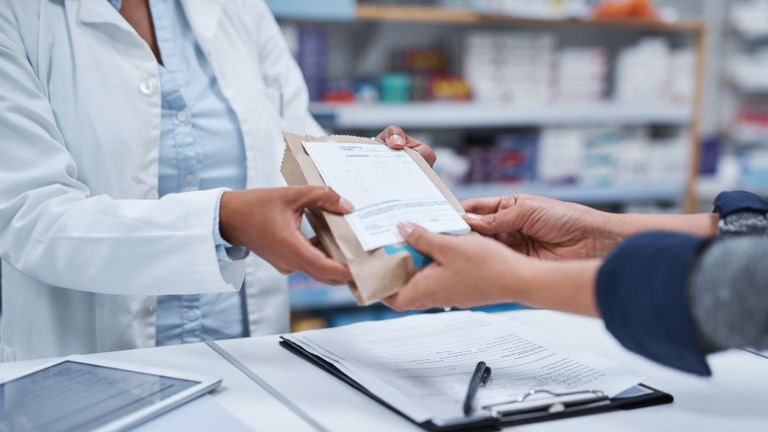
[[72, 396]]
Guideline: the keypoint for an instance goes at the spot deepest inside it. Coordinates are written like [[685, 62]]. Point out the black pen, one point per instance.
[[479, 378]]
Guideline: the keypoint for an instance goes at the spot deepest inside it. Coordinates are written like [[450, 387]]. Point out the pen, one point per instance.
[[479, 377]]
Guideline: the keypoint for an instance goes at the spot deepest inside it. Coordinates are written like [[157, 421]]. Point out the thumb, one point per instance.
[[507, 220], [325, 198], [394, 137], [422, 240]]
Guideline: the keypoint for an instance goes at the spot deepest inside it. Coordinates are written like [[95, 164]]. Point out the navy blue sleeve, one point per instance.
[[642, 294], [728, 203]]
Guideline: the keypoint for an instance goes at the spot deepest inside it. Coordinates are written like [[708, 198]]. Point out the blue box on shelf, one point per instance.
[[328, 10], [309, 294]]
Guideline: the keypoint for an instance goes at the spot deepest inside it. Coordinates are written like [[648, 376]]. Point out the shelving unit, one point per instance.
[[478, 116], [483, 115]]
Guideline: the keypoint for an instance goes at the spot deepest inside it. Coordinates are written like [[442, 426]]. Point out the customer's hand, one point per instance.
[[474, 271], [395, 138], [543, 227], [467, 271], [267, 221]]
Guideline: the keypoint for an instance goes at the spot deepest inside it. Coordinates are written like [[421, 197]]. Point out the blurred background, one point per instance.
[[624, 105]]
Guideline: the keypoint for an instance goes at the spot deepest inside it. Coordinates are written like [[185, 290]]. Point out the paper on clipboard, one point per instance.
[[386, 187], [425, 374]]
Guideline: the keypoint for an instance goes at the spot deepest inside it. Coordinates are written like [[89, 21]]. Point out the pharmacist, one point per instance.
[[123, 125]]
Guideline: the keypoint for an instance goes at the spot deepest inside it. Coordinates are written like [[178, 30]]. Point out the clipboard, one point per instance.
[[579, 403]]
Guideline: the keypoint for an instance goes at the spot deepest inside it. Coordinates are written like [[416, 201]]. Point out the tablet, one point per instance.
[[81, 393]]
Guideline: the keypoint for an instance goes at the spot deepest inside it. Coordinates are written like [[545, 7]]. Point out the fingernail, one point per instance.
[[346, 205], [396, 140], [472, 216], [405, 229]]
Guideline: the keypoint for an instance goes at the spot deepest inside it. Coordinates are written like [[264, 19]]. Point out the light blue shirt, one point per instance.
[[201, 147]]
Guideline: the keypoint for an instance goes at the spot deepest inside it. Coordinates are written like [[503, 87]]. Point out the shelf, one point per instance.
[[748, 33], [370, 12], [345, 10], [749, 134], [592, 195], [756, 36], [423, 14], [327, 297], [482, 115], [708, 188], [752, 88]]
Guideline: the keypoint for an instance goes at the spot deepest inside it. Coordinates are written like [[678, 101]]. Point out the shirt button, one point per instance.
[[148, 86], [150, 308], [182, 116], [189, 178], [191, 315]]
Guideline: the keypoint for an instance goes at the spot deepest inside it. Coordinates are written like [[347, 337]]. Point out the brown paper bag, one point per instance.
[[381, 272]]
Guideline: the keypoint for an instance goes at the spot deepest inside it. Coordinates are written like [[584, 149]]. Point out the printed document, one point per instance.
[[386, 187], [422, 365]]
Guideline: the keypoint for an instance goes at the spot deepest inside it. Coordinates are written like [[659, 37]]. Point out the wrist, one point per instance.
[[526, 282], [567, 286], [607, 234], [531, 278], [627, 225], [710, 223]]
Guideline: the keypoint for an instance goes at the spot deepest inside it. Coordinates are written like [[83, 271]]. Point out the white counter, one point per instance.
[[734, 399]]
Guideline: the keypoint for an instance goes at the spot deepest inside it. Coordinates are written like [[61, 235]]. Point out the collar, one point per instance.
[[203, 15]]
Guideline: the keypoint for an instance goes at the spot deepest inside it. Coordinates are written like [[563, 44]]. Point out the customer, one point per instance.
[[124, 126], [673, 295]]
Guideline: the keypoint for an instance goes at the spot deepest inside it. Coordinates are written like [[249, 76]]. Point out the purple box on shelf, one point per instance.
[[313, 60], [512, 158]]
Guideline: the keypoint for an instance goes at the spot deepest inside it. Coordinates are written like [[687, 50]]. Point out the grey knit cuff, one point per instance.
[[743, 223], [728, 294]]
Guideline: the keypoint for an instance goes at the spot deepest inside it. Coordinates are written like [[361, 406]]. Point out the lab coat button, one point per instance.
[[148, 86], [191, 315], [189, 178], [182, 116]]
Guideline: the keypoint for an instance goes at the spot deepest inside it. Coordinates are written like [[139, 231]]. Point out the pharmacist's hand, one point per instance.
[[467, 271], [267, 221], [394, 137], [543, 227]]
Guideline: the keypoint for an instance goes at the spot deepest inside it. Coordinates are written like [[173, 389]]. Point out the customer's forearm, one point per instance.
[[626, 225], [567, 286]]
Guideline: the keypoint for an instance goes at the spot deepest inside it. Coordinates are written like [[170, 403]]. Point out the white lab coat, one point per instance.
[[85, 242]]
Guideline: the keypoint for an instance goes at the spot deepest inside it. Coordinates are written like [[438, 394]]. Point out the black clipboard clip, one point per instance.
[[563, 402]]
